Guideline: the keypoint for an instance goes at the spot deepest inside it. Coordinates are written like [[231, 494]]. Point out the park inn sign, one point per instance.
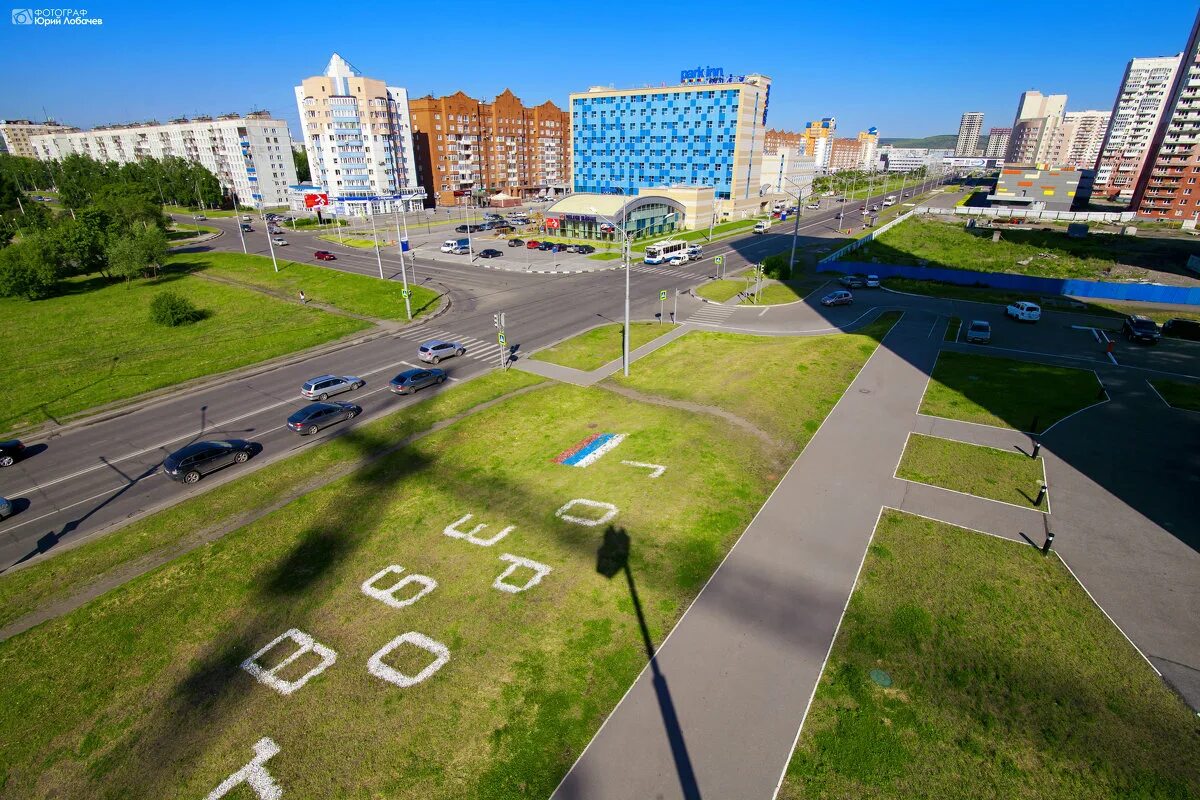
[[708, 75]]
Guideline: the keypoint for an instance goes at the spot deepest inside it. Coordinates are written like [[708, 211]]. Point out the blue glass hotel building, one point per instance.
[[709, 130]]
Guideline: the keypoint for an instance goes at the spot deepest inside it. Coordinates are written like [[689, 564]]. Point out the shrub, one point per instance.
[[172, 309], [777, 267]]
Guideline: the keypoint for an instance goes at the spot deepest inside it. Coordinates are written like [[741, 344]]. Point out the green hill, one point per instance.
[[942, 141]]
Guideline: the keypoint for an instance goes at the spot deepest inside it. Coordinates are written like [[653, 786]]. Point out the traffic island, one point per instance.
[[1006, 476]]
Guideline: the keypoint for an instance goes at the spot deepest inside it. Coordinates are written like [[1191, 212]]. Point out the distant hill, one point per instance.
[[932, 142]]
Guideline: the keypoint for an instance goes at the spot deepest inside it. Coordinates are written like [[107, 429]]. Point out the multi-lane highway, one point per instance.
[[89, 477]]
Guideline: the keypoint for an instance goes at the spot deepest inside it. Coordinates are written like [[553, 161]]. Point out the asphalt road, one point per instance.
[[84, 479]]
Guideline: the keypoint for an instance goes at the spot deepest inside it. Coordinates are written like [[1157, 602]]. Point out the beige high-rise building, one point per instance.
[[16, 135], [969, 128], [997, 143], [358, 137], [1038, 115], [1139, 106]]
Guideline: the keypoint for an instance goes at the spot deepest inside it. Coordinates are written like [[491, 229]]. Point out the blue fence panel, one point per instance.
[[1139, 292]]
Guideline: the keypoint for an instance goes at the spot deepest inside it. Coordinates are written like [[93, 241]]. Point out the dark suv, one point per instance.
[[1182, 329], [200, 458], [1138, 328]]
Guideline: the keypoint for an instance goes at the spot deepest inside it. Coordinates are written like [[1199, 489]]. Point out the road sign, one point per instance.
[[662, 294], [405, 293], [719, 260], [501, 337]]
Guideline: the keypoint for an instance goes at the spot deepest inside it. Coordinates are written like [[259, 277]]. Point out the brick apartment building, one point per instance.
[[777, 141], [467, 150]]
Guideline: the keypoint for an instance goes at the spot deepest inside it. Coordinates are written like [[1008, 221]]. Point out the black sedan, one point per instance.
[[315, 416], [490, 253], [410, 380], [516, 242], [544, 246], [853, 281], [189, 464], [10, 452]]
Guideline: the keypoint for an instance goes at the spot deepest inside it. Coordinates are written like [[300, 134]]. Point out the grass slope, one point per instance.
[[74, 569], [1007, 393], [358, 294], [599, 346], [784, 385], [95, 343], [1002, 475], [1050, 254], [1007, 681]]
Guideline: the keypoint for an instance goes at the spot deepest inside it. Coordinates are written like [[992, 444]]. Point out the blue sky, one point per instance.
[[909, 69]]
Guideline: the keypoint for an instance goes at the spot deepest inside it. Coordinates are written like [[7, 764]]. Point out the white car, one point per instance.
[[1024, 311], [677, 261], [279, 241], [813, 205], [979, 332]]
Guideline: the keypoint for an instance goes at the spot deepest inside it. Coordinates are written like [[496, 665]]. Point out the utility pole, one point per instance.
[[270, 243], [498, 321], [400, 243], [237, 220], [375, 238]]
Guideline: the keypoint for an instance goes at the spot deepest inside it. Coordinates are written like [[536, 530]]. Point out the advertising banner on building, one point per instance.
[[314, 200], [551, 222]]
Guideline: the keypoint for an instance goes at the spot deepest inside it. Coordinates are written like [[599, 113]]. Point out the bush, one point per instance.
[[173, 309], [777, 267]]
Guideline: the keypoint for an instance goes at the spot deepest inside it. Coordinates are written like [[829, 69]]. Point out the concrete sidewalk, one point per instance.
[[717, 713]]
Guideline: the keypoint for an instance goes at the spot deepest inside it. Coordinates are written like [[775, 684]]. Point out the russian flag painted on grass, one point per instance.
[[590, 449]]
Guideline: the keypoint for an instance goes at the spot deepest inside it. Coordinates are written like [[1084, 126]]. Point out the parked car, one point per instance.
[[326, 386], [1024, 311], [872, 281], [315, 416], [979, 331], [516, 242], [6, 508], [435, 350], [533, 244], [1138, 328], [544, 246], [852, 281], [324, 255], [461, 229], [839, 298], [490, 253], [1182, 329], [584, 249], [279, 241], [410, 380], [245, 217], [11, 452], [189, 464]]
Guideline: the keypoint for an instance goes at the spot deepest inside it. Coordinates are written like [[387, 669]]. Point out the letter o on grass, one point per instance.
[[610, 511], [381, 670]]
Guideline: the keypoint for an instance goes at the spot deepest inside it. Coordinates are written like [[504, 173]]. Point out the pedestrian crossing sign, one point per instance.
[[719, 260], [501, 339], [662, 294], [405, 293]]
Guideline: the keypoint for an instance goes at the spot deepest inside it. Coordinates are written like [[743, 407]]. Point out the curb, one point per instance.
[[550, 271]]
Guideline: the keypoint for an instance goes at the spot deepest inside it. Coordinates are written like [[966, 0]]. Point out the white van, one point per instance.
[[453, 245], [762, 226], [890, 200]]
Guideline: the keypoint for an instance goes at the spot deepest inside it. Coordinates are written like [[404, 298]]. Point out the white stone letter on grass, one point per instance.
[[254, 775], [516, 562], [656, 470], [388, 595], [307, 645], [381, 670], [610, 511], [453, 531]]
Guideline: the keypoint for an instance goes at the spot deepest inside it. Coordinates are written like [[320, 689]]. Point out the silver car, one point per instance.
[[435, 350], [326, 386]]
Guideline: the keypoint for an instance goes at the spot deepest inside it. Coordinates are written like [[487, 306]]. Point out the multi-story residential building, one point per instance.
[[707, 132], [968, 133], [817, 138], [358, 137], [777, 140], [868, 154], [251, 155], [1077, 141], [997, 142], [1143, 95], [1038, 115], [467, 149], [16, 135], [1169, 186], [845, 153], [786, 172]]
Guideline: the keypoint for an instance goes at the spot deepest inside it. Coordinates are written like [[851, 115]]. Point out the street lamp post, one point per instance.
[[238, 220], [796, 224], [270, 243], [375, 238], [625, 256], [401, 241]]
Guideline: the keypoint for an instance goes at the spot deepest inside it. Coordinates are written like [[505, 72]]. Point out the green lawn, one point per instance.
[[73, 570], [720, 290], [1005, 392], [530, 676], [1006, 681], [720, 230], [1179, 394], [1004, 475], [181, 232], [208, 212], [366, 244], [597, 347], [357, 294], [311, 222], [777, 292], [1049, 254], [604, 256], [784, 385], [96, 344]]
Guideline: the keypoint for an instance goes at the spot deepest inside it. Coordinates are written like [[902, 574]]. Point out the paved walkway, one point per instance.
[[580, 377], [717, 713]]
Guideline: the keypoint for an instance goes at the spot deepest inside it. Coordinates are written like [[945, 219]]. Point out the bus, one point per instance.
[[662, 251]]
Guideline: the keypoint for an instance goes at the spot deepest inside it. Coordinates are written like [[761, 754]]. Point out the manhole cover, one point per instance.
[[864, 391], [882, 678]]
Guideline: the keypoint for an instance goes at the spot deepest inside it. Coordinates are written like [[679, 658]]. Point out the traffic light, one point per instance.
[[496, 320]]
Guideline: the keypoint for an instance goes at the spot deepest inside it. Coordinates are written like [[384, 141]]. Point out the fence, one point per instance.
[[1024, 213], [1141, 292], [857, 243]]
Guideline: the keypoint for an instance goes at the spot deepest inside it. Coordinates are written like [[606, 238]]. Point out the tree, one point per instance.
[[83, 242], [137, 253], [128, 206], [30, 268], [303, 174]]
